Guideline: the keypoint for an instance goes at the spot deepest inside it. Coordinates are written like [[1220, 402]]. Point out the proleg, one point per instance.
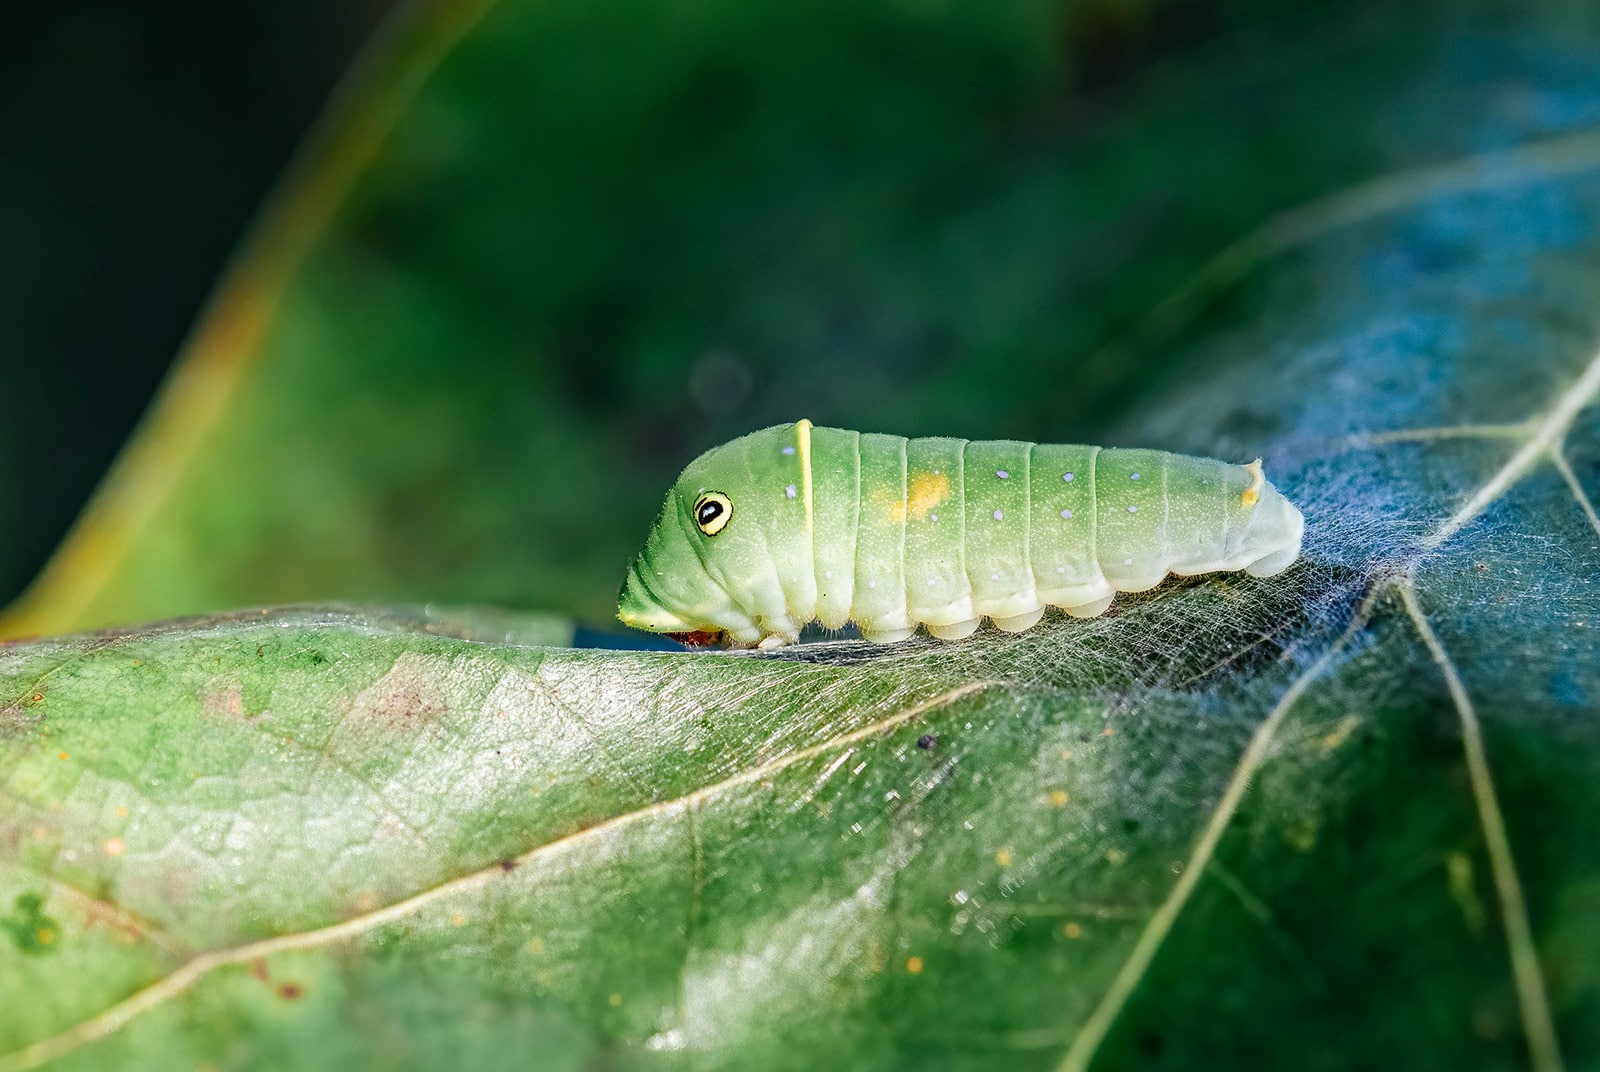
[[795, 524]]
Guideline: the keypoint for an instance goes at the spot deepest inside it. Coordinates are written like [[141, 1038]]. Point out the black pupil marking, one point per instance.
[[708, 511]]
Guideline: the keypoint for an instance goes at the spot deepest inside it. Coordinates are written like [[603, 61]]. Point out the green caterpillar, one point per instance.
[[795, 523]]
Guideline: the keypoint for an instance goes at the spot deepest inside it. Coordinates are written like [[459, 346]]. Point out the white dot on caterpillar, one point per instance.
[[1127, 562], [932, 581], [999, 516], [1133, 509], [995, 576], [1067, 477], [1061, 569], [827, 575], [788, 450], [1066, 515], [933, 517], [1001, 473], [789, 491], [1135, 476], [872, 584]]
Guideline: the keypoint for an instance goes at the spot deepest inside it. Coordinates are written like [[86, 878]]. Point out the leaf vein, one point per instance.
[[1094, 1030], [1545, 435], [1294, 227], [1565, 469], [1526, 975], [119, 1015]]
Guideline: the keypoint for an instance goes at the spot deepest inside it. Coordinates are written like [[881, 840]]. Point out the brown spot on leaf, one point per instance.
[[406, 699], [224, 699], [18, 717], [17, 721], [291, 991]]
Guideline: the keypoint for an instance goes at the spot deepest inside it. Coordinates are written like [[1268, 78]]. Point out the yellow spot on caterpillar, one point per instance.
[[458, 919], [924, 493], [1258, 480], [1116, 857], [113, 847], [1004, 858], [1072, 930], [46, 935], [615, 1000], [1058, 798], [914, 965]]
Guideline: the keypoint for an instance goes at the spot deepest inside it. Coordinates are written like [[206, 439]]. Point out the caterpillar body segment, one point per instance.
[[796, 523]]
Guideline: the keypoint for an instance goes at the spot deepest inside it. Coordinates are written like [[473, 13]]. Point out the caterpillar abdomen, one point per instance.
[[893, 533]]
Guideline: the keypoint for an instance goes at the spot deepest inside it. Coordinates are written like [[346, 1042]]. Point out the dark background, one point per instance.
[[139, 139]]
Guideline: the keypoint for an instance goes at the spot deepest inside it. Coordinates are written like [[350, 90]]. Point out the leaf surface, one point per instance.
[[1338, 818]]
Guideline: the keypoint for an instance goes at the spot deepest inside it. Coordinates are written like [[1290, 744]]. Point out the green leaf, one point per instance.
[[1227, 823], [1339, 818]]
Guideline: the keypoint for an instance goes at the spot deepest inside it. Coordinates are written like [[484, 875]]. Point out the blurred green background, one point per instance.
[[140, 140]]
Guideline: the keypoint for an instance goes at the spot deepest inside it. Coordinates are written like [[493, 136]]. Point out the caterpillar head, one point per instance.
[[709, 565]]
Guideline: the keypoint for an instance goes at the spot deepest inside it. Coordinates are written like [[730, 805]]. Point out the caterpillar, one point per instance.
[[794, 524]]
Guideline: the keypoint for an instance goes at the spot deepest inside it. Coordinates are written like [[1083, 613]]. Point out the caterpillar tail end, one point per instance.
[[1288, 526]]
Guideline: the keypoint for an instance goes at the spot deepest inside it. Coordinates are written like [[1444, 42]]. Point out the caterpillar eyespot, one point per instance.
[[712, 512], [896, 534]]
